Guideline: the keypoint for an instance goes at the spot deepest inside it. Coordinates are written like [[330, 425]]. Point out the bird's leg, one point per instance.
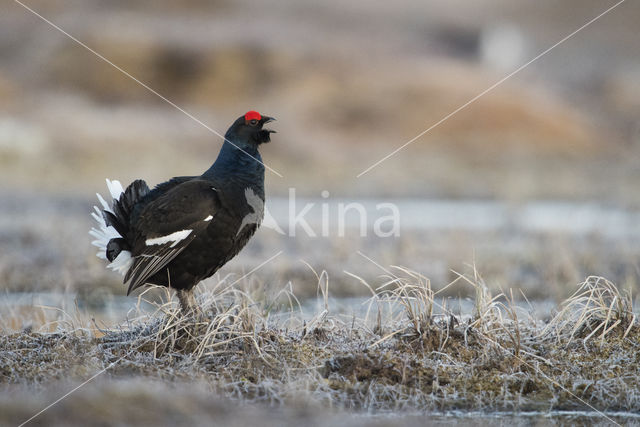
[[188, 302]]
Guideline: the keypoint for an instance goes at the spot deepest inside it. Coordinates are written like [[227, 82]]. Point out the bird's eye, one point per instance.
[[253, 122]]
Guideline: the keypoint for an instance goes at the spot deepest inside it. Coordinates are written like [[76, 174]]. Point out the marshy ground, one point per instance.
[[406, 355], [360, 346]]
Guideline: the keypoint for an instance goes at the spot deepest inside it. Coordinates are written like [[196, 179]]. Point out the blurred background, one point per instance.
[[535, 183]]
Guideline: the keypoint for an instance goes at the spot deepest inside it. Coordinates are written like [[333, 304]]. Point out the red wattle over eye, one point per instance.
[[252, 115]]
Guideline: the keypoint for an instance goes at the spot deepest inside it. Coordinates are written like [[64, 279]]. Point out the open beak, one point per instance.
[[265, 134], [267, 119]]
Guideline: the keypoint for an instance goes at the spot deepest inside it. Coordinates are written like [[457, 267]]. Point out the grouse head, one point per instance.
[[248, 129]]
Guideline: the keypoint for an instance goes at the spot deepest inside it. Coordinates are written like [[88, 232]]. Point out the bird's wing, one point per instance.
[[173, 182], [167, 225]]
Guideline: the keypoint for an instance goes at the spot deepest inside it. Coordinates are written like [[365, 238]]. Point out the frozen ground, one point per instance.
[[404, 360]]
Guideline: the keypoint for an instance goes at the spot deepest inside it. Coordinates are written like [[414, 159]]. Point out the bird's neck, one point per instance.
[[238, 162]]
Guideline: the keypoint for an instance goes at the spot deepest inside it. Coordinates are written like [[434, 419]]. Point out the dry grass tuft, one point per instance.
[[597, 308]]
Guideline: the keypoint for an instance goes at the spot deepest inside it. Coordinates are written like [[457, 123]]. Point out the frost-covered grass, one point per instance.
[[402, 355]]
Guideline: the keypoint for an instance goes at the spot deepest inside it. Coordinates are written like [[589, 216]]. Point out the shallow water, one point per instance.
[[539, 247], [521, 418], [114, 310], [468, 215], [579, 218]]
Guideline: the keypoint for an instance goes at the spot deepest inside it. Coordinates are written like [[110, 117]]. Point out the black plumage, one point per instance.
[[185, 229]]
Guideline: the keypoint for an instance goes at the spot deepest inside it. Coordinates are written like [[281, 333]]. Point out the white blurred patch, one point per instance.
[[502, 47], [21, 137]]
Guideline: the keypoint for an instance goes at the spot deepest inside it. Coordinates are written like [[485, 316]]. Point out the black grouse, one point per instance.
[[185, 229]]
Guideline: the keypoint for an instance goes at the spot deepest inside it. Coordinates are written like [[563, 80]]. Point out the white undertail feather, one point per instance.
[[103, 233], [115, 188], [122, 263]]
